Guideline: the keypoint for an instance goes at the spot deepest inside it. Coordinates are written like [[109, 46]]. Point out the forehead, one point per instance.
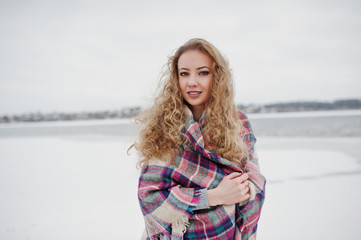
[[194, 59]]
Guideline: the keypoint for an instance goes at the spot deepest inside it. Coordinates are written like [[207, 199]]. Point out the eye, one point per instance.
[[204, 73], [183, 74]]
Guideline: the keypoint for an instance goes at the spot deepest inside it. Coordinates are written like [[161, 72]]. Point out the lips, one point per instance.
[[194, 94]]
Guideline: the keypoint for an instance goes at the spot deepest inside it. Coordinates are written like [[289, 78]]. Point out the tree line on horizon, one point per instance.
[[130, 112], [301, 106]]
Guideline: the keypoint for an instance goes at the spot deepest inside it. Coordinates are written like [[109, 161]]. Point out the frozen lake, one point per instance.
[[83, 185], [346, 123]]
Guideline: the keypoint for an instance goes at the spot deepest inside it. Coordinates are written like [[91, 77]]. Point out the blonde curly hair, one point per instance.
[[161, 125]]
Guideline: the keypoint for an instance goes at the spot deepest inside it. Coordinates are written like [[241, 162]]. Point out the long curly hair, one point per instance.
[[160, 126]]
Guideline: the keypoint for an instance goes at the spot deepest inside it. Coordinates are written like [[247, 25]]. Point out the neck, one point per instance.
[[197, 112]]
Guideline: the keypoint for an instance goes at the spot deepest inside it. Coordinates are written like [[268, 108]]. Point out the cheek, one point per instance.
[[182, 85], [209, 84]]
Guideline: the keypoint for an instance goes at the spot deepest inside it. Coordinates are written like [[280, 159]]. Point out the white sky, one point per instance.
[[73, 55]]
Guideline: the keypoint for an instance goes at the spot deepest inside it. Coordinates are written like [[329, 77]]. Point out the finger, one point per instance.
[[244, 198], [247, 196], [245, 176], [242, 178], [246, 190], [244, 186], [234, 175]]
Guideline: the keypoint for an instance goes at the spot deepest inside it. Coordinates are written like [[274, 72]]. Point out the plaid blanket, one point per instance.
[[168, 193]]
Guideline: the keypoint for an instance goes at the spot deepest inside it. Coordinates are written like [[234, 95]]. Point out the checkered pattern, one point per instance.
[[168, 193]]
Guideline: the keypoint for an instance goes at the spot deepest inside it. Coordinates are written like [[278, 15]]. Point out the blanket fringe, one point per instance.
[[179, 227]]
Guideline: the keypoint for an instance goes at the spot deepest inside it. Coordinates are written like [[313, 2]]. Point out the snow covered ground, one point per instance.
[[313, 190], [85, 188]]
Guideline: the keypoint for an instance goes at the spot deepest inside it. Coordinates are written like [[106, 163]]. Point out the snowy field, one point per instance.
[[85, 188]]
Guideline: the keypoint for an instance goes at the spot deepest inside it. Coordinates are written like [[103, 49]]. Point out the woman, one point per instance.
[[200, 177]]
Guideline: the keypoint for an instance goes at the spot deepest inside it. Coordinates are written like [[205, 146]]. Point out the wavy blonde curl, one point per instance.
[[161, 125]]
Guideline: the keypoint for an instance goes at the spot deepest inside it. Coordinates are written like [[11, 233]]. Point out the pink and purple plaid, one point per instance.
[[168, 193]]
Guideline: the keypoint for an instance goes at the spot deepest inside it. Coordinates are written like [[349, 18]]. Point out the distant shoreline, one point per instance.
[[287, 108], [82, 122], [321, 113]]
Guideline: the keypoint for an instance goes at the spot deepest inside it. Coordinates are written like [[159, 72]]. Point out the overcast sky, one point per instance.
[[104, 55]]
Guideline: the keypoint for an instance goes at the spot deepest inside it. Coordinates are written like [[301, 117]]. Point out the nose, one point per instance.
[[193, 81]]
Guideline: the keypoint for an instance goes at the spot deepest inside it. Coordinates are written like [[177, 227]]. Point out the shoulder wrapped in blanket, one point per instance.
[[169, 193]]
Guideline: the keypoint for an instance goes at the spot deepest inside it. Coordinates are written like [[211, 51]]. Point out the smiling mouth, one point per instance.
[[194, 93]]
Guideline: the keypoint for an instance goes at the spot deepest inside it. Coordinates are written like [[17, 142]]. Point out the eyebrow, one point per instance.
[[197, 68]]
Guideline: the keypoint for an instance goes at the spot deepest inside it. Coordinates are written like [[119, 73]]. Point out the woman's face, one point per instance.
[[195, 78]]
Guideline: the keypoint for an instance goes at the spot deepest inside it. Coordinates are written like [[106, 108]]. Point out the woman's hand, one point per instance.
[[231, 190]]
